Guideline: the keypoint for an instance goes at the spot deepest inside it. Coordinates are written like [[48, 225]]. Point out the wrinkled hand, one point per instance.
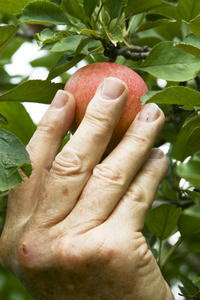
[[73, 228]]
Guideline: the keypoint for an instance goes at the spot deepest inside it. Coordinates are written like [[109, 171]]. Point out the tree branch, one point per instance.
[[138, 49], [132, 52], [132, 55]]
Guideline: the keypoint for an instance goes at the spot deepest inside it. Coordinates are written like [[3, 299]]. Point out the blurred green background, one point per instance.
[[11, 288]]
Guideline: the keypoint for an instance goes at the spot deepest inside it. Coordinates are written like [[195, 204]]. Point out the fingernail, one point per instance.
[[149, 113], [112, 88], [156, 154], [60, 99]]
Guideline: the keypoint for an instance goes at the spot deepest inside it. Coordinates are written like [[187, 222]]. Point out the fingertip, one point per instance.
[[156, 154], [112, 88], [158, 157], [61, 99]]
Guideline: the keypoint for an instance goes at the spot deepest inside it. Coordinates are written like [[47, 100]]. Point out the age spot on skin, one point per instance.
[[24, 249]]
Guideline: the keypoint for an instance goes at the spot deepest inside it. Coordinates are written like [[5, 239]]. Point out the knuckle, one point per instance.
[[21, 255], [151, 172], [110, 173], [142, 140], [30, 251], [50, 122], [108, 252], [143, 255], [68, 163], [136, 199], [68, 249], [77, 252], [100, 117], [136, 193], [46, 127]]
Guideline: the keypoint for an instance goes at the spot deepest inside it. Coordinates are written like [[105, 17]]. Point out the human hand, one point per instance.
[[73, 228]]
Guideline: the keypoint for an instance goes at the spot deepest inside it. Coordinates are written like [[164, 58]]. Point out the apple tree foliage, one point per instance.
[[159, 39]]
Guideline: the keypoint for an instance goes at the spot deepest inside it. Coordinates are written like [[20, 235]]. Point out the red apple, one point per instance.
[[84, 82]]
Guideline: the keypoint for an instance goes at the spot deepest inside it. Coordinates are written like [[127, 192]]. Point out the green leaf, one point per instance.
[[194, 25], [117, 35], [196, 281], [166, 9], [89, 6], [190, 287], [194, 210], [69, 43], [171, 63], [58, 2], [185, 145], [190, 172], [188, 225], [190, 44], [40, 91], [188, 9], [3, 120], [178, 95], [7, 32], [74, 9], [195, 196], [13, 156], [152, 24], [170, 32], [13, 6], [139, 6], [113, 7], [83, 44], [20, 123], [47, 61], [89, 32], [193, 139], [49, 36], [65, 63], [69, 60], [13, 45], [162, 220], [44, 12]]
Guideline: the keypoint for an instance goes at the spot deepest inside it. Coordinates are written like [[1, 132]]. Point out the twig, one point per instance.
[[170, 253], [196, 296], [132, 55], [159, 252], [135, 48], [132, 52]]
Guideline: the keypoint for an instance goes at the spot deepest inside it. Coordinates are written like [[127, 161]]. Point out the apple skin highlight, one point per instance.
[[84, 83]]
